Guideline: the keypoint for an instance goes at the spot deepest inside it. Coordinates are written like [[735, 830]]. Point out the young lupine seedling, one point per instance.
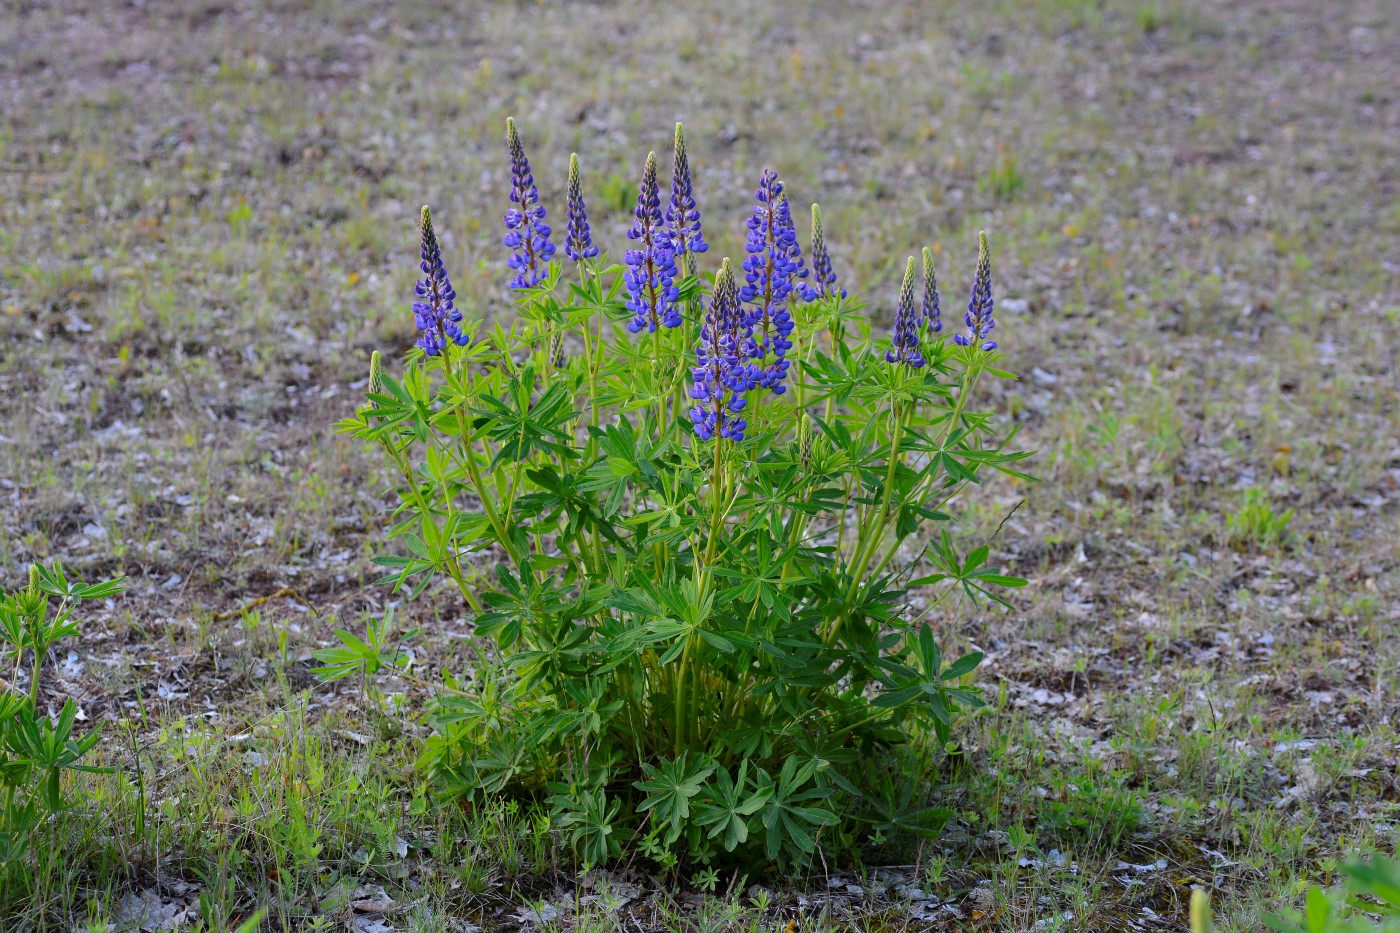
[[686, 506], [35, 751]]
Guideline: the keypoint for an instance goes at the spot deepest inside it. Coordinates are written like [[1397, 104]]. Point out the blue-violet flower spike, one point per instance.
[[651, 266], [438, 321], [979, 307], [823, 276], [527, 233], [928, 310], [721, 374], [906, 340], [682, 215], [773, 266], [579, 243]]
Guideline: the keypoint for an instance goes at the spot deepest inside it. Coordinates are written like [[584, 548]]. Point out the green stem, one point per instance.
[[867, 541], [866, 544], [716, 497], [469, 454], [588, 358], [593, 358], [34, 680], [679, 698], [964, 388], [454, 568]]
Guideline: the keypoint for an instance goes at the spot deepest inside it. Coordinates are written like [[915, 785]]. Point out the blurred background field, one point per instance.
[[207, 222]]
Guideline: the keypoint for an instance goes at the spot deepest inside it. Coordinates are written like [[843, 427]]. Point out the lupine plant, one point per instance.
[[34, 751], [691, 548]]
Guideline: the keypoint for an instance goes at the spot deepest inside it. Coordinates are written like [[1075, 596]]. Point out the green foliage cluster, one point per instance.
[[34, 751], [1256, 524], [1367, 902]]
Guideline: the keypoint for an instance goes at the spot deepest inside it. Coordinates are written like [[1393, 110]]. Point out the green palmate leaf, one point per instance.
[[51, 580], [727, 806], [522, 600], [970, 573], [554, 648], [11, 703], [899, 807], [562, 496], [364, 656], [523, 429], [669, 788], [788, 815], [586, 818], [766, 579]]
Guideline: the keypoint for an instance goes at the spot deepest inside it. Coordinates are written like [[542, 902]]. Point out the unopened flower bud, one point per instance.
[[376, 374], [557, 358]]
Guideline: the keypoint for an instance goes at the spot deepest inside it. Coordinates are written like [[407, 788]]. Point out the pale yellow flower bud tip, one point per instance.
[[1200, 912]]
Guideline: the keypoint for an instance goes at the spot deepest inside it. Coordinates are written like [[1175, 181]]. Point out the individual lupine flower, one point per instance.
[[579, 243], [979, 307], [437, 319], [721, 374], [906, 340], [823, 276], [527, 233], [773, 266], [682, 215], [651, 268], [928, 309]]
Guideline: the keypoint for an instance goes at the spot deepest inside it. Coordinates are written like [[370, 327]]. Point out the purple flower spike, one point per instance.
[[433, 312], [823, 276], [773, 265], [979, 307], [906, 341], [527, 233], [682, 216], [928, 310], [579, 243], [651, 268], [722, 373]]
